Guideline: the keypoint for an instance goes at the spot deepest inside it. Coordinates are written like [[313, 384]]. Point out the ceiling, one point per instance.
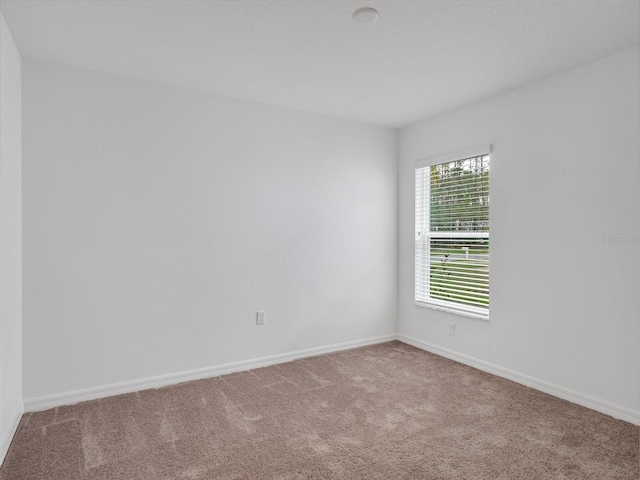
[[418, 59]]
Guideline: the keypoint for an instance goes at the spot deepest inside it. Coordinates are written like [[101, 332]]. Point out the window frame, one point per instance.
[[434, 303]]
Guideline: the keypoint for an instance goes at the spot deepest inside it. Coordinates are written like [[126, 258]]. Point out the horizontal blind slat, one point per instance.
[[452, 234]]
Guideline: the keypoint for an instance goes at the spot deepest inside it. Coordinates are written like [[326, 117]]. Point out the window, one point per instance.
[[452, 233]]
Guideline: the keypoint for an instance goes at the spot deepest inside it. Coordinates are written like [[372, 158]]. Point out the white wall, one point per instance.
[[10, 240], [565, 172], [158, 220]]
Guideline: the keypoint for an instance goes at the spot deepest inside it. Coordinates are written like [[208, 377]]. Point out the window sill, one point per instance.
[[448, 309]]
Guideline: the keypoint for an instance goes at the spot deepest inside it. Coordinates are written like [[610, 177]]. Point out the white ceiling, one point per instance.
[[418, 59]]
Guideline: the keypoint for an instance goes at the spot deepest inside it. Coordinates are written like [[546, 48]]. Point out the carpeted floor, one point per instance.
[[388, 411]]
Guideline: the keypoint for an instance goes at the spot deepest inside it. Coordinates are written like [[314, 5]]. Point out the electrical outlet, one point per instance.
[[452, 329], [261, 317]]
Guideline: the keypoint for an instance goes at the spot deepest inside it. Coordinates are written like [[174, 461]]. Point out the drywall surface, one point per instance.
[[420, 57], [565, 213], [158, 221], [10, 239]]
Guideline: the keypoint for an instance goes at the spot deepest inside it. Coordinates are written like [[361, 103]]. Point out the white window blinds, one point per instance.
[[452, 235]]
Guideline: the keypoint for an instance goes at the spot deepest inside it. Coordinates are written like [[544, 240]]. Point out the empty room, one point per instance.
[[320, 239]]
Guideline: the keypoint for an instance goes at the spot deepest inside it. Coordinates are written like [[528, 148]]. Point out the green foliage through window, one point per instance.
[[452, 234]]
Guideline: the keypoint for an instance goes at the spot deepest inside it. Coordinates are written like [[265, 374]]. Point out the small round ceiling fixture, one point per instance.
[[365, 15]]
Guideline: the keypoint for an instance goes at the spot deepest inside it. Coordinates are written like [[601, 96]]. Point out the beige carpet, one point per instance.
[[383, 412]]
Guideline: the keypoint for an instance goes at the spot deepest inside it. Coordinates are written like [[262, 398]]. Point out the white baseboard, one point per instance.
[[9, 434], [603, 406], [70, 398]]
